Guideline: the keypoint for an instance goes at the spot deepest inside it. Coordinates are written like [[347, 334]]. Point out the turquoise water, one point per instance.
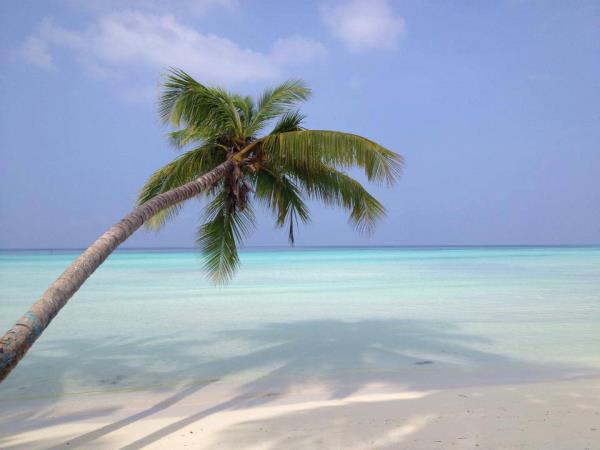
[[342, 318]]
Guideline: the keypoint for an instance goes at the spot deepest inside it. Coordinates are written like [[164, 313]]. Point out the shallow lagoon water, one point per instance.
[[337, 317]]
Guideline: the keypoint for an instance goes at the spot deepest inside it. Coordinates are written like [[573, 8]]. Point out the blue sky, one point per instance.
[[495, 106]]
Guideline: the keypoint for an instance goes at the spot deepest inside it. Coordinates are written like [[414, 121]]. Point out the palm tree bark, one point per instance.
[[15, 343]]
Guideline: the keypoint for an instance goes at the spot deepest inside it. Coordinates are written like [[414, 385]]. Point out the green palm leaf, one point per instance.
[[336, 188], [246, 108], [220, 235], [308, 149], [275, 102], [212, 110], [183, 169], [289, 121], [281, 195]]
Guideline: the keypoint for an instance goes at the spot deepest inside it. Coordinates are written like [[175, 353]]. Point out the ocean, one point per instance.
[[342, 318]]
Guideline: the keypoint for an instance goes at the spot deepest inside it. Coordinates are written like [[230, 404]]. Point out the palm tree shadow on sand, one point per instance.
[[340, 357]]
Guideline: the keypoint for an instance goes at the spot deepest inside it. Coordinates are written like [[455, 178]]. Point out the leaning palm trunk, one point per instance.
[[15, 343]]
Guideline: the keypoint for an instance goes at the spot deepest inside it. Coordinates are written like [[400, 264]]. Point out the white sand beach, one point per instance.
[[550, 415]]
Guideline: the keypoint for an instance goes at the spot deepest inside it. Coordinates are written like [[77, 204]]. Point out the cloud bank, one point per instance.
[[132, 39]]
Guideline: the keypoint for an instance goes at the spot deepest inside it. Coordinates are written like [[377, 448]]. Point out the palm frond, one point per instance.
[[277, 101], [184, 136], [185, 101], [183, 169], [281, 195], [219, 236], [246, 108], [335, 188], [289, 121], [308, 149]]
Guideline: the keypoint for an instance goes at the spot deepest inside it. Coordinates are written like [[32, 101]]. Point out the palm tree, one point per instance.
[[234, 167]]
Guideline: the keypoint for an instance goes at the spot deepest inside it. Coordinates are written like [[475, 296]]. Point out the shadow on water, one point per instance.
[[341, 357]]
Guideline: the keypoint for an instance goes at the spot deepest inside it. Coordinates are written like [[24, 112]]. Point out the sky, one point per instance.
[[495, 106]]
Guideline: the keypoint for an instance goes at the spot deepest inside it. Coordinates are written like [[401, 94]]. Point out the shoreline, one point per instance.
[[555, 414], [252, 248]]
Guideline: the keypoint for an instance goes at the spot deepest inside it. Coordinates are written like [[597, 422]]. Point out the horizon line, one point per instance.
[[289, 247]]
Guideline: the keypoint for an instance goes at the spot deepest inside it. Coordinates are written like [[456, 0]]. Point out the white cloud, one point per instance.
[[364, 24], [129, 40]]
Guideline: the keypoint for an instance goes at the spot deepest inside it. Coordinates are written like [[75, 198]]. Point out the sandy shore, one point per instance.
[[549, 415]]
